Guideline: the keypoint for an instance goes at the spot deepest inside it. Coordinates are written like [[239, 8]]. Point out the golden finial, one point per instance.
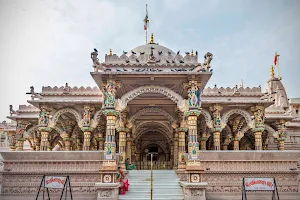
[[152, 39], [192, 53], [110, 52], [272, 74]]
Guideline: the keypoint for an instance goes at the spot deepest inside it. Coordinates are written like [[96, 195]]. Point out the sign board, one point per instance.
[[108, 157], [259, 184], [55, 181]]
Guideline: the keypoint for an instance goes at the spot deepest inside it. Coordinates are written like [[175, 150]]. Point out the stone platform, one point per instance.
[[21, 173]]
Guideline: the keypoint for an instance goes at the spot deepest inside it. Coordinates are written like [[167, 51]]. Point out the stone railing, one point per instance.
[[71, 90], [22, 172], [255, 91], [225, 170]]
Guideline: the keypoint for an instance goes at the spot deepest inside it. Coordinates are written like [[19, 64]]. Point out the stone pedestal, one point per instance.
[[194, 191], [107, 191]]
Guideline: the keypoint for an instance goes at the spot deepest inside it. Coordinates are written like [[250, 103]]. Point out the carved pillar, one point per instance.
[[216, 110], [11, 138], [110, 144], [181, 147], [236, 144], [122, 144], [217, 143], [259, 120], [67, 141], [203, 144], [86, 127], [281, 134], [258, 140], [129, 146], [21, 128], [43, 127], [193, 145], [175, 149], [37, 143]]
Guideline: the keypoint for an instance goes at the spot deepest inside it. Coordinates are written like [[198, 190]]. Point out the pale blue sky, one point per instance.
[[48, 43]]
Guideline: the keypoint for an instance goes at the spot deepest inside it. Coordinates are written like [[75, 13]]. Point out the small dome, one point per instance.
[[147, 49]]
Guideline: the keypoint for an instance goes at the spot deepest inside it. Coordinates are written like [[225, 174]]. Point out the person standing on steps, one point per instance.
[[124, 185], [129, 166]]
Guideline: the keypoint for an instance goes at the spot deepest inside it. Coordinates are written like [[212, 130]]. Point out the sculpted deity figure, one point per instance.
[[193, 96], [44, 117], [259, 117], [66, 88], [217, 118], [94, 57], [86, 116], [110, 94], [208, 58]]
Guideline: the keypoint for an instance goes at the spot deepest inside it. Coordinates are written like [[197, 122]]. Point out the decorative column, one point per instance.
[[216, 110], [129, 141], [236, 144], [109, 185], [259, 127], [11, 138], [281, 134], [122, 145], [175, 149], [203, 141], [86, 127], [181, 147], [21, 128], [67, 141], [43, 128], [110, 144]]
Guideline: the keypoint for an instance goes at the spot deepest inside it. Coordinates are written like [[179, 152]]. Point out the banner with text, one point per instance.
[[55, 181], [266, 184]]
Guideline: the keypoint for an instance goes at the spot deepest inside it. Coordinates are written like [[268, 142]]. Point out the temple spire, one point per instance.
[[110, 52]]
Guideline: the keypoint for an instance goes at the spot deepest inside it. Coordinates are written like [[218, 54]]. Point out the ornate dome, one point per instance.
[[146, 49]]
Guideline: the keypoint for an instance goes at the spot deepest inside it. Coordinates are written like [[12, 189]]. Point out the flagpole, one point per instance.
[[146, 24]]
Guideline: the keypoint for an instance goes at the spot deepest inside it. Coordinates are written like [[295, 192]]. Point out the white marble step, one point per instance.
[[165, 185]]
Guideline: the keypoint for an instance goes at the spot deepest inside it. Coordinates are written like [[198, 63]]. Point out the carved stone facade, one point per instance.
[[141, 99]]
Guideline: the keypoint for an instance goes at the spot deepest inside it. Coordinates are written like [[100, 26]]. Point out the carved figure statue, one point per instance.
[[259, 117], [86, 117], [94, 57], [11, 110], [217, 118], [208, 58], [193, 96], [67, 88], [33, 93], [110, 94], [97, 65], [44, 117]]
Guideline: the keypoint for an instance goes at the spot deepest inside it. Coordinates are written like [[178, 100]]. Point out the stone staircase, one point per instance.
[[165, 185]]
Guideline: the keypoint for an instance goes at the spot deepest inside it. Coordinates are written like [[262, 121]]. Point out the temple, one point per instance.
[[152, 100]]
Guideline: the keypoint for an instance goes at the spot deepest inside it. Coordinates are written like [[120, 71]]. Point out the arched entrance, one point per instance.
[[153, 137]]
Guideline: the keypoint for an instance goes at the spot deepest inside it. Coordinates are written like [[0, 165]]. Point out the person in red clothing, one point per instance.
[[124, 185]]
